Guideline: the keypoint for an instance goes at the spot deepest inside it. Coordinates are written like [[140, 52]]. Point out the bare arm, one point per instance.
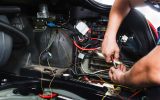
[[146, 71], [118, 12]]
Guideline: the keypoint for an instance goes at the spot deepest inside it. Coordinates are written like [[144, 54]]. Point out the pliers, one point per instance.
[[115, 62]]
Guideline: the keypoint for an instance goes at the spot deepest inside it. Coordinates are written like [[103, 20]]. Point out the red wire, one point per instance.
[[94, 38], [81, 48], [134, 94], [84, 49], [50, 96], [153, 29]]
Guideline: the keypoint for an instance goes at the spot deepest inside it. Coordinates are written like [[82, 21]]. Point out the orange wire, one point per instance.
[[84, 49], [134, 94]]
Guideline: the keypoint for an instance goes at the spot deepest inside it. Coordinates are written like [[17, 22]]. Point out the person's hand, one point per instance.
[[117, 74], [110, 49]]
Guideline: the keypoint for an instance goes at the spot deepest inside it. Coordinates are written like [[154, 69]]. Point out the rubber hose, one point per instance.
[[8, 29]]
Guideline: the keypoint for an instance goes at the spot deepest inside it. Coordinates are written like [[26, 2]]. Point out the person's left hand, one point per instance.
[[117, 74]]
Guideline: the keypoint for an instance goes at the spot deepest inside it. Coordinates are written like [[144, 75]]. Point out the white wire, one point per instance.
[[98, 71]]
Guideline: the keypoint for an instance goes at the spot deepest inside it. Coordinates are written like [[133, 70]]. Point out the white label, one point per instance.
[[82, 28], [81, 56]]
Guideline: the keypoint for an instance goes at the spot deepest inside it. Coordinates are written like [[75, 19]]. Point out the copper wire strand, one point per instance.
[[121, 97], [52, 74], [41, 70], [42, 73], [40, 62]]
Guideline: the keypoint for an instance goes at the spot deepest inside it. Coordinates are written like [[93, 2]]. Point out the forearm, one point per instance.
[[119, 10], [146, 71], [137, 75]]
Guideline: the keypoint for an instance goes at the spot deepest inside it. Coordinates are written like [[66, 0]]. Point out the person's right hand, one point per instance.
[[110, 49]]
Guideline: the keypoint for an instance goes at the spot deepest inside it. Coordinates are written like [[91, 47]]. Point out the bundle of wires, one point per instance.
[[51, 95], [83, 42]]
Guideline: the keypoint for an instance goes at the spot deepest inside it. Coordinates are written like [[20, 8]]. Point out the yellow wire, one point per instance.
[[52, 78], [41, 70], [114, 84], [40, 66], [51, 83], [123, 86], [101, 79], [103, 97]]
